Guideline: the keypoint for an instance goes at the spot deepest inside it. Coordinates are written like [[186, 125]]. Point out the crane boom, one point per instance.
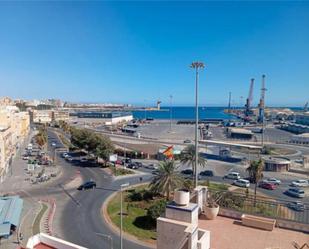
[[249, 99], [262, 101]]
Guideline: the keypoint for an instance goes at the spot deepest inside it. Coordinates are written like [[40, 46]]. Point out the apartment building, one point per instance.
[[14, 128]]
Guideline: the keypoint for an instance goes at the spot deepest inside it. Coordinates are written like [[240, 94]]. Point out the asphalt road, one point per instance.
[[81, 219]]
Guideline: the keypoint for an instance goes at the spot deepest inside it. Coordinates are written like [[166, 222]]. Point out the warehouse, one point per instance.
[[106, 118], [10, 212], [239, 133]]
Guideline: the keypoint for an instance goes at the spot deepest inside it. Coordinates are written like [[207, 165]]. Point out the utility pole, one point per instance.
[[196, 65]]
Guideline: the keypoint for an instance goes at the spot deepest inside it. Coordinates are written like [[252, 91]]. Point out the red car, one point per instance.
[[267, 185]]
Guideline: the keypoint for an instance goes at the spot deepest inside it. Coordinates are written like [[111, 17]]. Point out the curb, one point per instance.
[[114, 228]]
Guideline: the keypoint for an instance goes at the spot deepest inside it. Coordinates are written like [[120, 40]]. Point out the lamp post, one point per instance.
[[108, 237], [171, 98], [196, 65], [124, 185]]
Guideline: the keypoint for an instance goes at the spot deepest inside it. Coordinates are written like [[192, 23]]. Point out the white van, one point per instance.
[[232, 175]]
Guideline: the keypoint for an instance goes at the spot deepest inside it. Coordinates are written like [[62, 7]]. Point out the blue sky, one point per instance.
[[138, 52]]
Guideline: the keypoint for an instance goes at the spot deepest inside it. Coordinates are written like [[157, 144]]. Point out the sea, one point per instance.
[[188, 113], [183, 113]]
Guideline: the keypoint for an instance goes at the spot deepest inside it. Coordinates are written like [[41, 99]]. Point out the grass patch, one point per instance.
[[37, 221], [120, 171], [135, 219], [214, 185]]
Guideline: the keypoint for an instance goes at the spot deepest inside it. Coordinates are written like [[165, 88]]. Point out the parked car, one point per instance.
[[126, 161], [187, 141], [25, 157], [295, 192], [119, 162], [53, 144], [232, 175], [300, 183], [133, 166], [207, 173], [64, 154], [242, 183], [187, 172], [297, 206], [87, 185], [151, 166], [273, 181], [83, 160], [139, 164], [267, 185], [70, 159]]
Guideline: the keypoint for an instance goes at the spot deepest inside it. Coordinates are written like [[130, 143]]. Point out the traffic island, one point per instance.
[[138, 226]]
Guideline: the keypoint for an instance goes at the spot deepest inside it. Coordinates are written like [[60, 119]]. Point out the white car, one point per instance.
[[273, 181], [300, 183], [232, 175], [53, 144], [242, 183]]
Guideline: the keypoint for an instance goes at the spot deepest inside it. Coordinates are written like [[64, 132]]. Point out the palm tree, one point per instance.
[[41, 137], [167, 179], [187, 156], [255, 171]]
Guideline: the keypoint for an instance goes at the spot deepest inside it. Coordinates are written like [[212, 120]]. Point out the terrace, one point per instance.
[[227, 233]]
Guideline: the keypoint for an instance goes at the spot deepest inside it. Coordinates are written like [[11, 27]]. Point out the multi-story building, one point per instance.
[[14, 127], [60, 115], [41, 116]]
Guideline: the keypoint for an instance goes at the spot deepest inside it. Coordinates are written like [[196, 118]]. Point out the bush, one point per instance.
[[156, 209], [148, 195], [135, 196]]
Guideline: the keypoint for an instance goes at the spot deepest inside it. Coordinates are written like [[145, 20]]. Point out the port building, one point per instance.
[[10, 213], [105, 118], [276, 164]]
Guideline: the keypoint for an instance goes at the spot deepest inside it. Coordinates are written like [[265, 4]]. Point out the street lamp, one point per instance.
[[124, 185], [196, 65], [171, 99], [108, 237]]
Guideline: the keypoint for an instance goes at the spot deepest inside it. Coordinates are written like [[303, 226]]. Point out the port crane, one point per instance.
[[262, 101], [248, 110], [306, 107]]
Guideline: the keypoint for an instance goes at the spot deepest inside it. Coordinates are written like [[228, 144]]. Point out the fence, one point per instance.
[[262, 206]]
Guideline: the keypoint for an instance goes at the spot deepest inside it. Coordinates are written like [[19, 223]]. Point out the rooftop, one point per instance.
[[44, 246], [228, 233]]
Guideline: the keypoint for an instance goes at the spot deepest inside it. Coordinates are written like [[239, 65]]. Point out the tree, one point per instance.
[[166, 180], [255, 171], [155, 210], [41, 137], [187, 156], [104, 147]]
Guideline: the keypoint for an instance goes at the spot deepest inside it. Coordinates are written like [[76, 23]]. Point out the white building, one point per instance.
[[42, 116], [106, 118]]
